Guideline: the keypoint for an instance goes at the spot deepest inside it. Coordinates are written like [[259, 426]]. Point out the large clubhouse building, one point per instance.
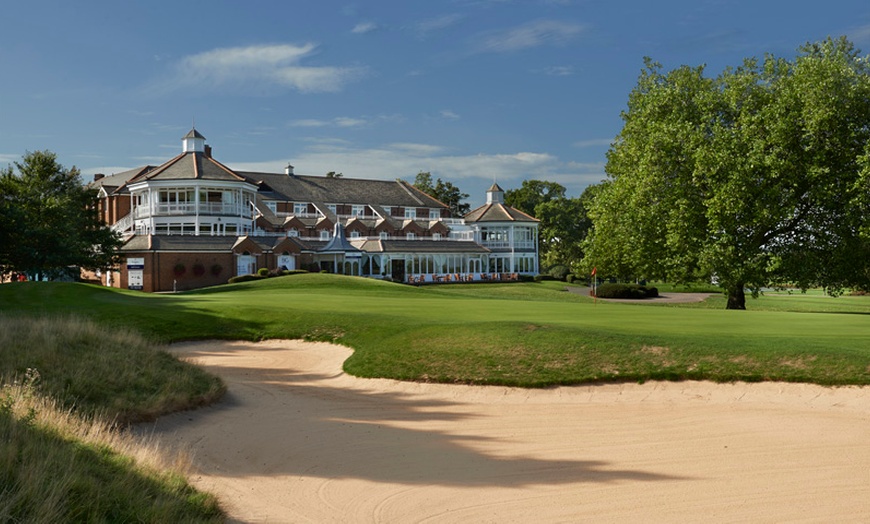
[[193, 222]]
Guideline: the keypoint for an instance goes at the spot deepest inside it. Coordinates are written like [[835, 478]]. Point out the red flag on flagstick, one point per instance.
[[594, 270]]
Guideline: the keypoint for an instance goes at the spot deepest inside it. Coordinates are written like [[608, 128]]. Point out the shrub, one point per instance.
[[635, 291], [569, 278], [244, 278], [263, 272], [198, 269], [559, 272], [541, 277]]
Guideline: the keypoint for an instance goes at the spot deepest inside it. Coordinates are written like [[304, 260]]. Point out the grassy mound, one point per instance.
[[66, 386]]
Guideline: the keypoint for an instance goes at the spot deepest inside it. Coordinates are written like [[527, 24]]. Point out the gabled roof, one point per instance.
[[498, 213], [117, 182], [330, 190]]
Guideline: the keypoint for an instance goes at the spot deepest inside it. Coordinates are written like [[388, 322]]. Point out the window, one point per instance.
[[383, 235], [436, 236], [300, 209], [293, 232], [410, 213], [411, 236], [324, 234], [434, 214], [272, 205], [357, 211], [331, 208], [354, 234]]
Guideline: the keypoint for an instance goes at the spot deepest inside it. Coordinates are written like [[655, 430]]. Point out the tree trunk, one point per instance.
[[736, 297]]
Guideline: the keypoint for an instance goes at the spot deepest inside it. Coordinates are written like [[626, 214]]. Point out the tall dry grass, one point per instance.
[[68, 391], [115, 371]]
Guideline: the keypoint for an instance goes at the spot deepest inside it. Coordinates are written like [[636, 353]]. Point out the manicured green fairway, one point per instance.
[[516, 334]]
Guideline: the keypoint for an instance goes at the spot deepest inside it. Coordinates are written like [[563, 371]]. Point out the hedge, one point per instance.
[[636, 291]]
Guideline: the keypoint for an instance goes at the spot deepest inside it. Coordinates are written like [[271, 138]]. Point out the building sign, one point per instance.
[[135, 263], [135, 279]]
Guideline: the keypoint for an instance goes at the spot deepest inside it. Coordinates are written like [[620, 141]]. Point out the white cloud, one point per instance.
[[595, 142], [8, 159], [258, 68], [363, 28], [439, 23], [345, 121], [532, 34], [404, 160], [349, 122], [559, 71], [449, 115], [859, 34], [309, 122]]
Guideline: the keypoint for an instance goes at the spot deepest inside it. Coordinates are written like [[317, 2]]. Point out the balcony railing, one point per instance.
[[203, 208]]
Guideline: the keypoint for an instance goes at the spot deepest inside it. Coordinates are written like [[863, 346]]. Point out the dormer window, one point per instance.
[[411, 236], [434, 214], [383, 235], [354, 234], [300, 209], [410, 213], [293, 232], [331, 208], [357, 211], [324, 234]]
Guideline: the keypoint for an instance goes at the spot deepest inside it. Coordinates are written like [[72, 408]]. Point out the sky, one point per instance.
[[471, 91]]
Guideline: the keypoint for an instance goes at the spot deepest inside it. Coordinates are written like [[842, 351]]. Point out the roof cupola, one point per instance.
[[495, 194], [193, 142]]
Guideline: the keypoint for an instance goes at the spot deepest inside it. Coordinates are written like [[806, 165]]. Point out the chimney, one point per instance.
[[98, 176], [288, 170], [207, 151]]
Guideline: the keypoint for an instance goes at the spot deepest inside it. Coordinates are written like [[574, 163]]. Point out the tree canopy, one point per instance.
[[444, 192], [49, 220], [759, 177]]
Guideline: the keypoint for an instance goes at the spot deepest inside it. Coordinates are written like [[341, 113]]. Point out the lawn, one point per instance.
[[515, 334]]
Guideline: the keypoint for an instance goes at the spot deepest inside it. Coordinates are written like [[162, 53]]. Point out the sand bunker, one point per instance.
[[297, 440]]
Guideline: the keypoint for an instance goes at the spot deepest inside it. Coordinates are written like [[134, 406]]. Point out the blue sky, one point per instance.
[[469, 90]]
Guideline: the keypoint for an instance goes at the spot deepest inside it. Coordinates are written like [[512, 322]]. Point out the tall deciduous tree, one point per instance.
[[444, 192], [49, 220], [760, 176]]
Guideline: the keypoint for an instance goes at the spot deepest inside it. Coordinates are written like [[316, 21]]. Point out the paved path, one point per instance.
[[669, 298]]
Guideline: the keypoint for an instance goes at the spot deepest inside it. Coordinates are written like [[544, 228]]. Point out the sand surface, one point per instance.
[[297, 440]]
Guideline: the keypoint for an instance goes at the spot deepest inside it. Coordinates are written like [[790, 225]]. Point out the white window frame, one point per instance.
[[357, 210], [434, 214], [300, 209], [410, 213], [324, 234]]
